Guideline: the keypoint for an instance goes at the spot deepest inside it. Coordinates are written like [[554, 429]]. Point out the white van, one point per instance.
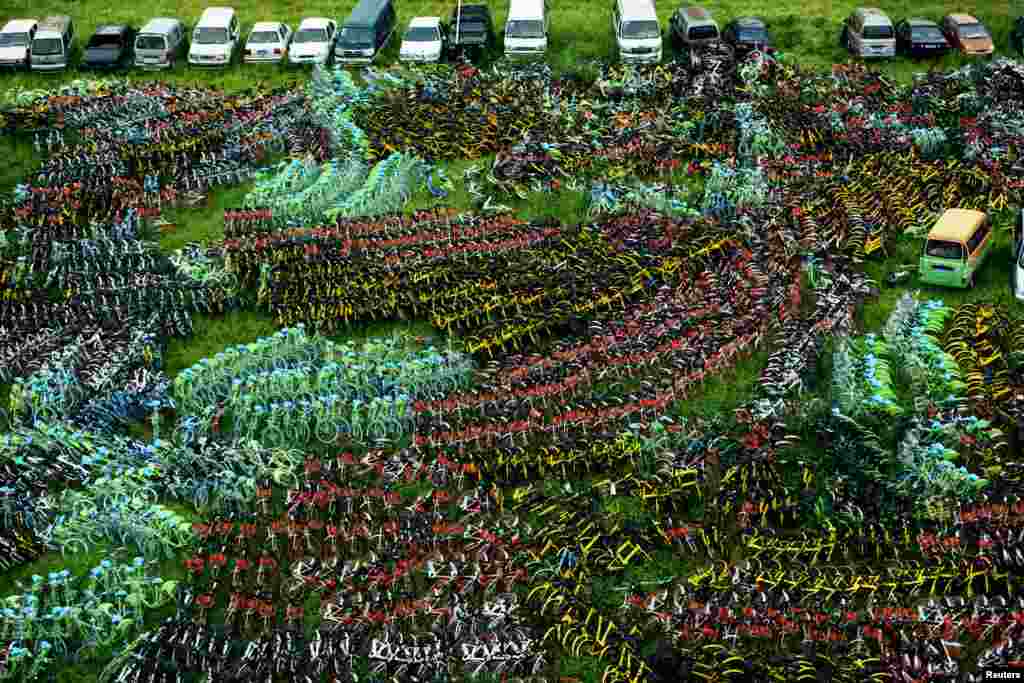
[[215, 38], [51, 48], [526, 29], [16, 43], [637, 31]]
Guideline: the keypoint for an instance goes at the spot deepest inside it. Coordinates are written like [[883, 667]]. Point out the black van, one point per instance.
[[365, 33]]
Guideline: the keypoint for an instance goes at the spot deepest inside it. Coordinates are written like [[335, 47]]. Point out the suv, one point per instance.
[[313, 42], [215, 38], [425, 41], [109, 48], [471, 30], [868, 32], [692, 26]]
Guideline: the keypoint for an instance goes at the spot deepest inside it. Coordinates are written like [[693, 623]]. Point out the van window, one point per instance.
[[208, 35], [150, 42], [105, 40], [356, 36], [47, 46], [944, 249], [977, 237], [878, 32], [703, 32], [13, 40], [525, 28], [640, 29], [422, 34]]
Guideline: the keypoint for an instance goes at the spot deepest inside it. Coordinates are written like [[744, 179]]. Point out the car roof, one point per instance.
[[956, 225], [159, 25], [216, 14], [267, 26], [749, 22], [874, 16], [425, 22], [526, 9], [639, 9], [314, 22], [106, 29], [20, 25], [696, 13], [963, 18], [916, 21]]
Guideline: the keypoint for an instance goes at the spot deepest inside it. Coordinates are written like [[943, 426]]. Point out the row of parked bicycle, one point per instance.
[[216, 40]]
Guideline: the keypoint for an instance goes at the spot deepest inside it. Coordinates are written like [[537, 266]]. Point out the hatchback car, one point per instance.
[[267, 42], [313, 42], [111, 47], [692, 26], [746, 34], [425, 41], [920, 38], [967, 34]]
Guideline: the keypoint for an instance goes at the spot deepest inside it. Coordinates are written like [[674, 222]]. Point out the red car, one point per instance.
[[967, 34]]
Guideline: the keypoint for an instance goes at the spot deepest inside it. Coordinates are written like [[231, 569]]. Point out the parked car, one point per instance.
[[967, 34], [526, 28], [215, 38], [110, 47], [425, 41], [956, 247], [692, 26], [267, 42], [471, 30], [1017, 35], [637, 31], [1017, 270], [746, 34], [313, 42], [366, 32], [53, 43], [160, 43], [16, 43], [868, 32], [920, 38]]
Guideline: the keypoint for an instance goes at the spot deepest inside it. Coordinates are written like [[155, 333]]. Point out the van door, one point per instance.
[[978, 245], [855, 35]]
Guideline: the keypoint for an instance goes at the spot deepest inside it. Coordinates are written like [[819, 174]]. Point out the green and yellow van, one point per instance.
[[956, 247]]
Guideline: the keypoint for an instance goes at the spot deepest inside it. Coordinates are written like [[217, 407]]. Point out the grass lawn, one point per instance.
[[808, 30]]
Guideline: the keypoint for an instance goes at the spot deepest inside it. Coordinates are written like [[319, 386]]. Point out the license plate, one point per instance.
[[353, 54], [152, 60], [262, 53], [933, 47]]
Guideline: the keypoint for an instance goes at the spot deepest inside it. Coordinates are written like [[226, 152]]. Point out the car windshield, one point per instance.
[[47, 46], [264, 37], [754, 35], [13, 40], [944, 249], [931, 33], [973, 31], [150, 43], [422, 34], [525, 29], [206, 35], [109, 41], [356, 36], [311, 35], [640, 29], [878, 32], [703, 32]]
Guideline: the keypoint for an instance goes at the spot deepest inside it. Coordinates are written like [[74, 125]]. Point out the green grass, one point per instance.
[[579, 31]]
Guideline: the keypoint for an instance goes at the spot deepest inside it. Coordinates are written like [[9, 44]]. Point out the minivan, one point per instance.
[[526, 29], [637, 31], [16, 43], [956, 247], [51, 47], [366, 32], [215, 38], [159, 43], [1017, 271], [868, 32]]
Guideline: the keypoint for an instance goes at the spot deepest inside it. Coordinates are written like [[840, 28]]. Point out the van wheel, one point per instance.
[[970, 282]]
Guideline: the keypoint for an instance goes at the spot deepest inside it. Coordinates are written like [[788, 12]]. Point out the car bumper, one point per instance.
[[352, 60], [303, 61], [419, 59], [49, 67], [646, 58], [525, 54], [102, 66], [208, 65], [152, 66], [278, 59], [11, 66]]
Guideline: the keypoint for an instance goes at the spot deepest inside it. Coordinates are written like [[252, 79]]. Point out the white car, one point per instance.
[[313, 42], [424, 41], [268, 42], [16, 42]]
